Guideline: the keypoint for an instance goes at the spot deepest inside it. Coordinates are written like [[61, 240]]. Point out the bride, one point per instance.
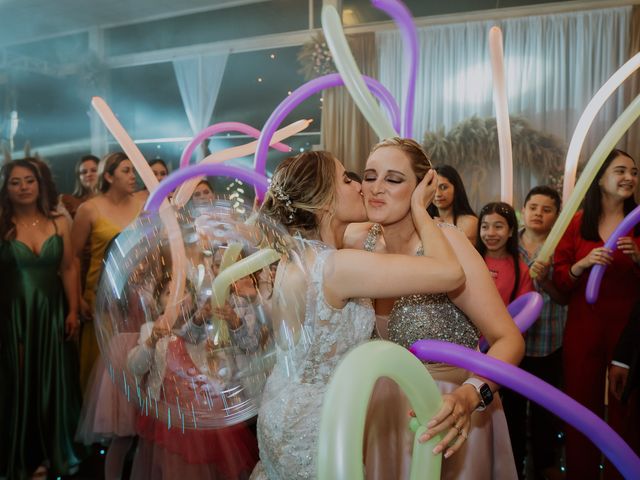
[[312, 195]]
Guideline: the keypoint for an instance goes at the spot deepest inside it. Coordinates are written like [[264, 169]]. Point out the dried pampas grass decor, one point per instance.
[[472, 148]]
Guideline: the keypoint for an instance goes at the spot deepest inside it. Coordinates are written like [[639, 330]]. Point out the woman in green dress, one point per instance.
[[39, 391]]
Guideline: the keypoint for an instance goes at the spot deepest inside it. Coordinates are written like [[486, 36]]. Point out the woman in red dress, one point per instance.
[[593, 330]]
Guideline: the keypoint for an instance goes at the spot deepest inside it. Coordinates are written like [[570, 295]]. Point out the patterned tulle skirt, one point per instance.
[[106, 411]]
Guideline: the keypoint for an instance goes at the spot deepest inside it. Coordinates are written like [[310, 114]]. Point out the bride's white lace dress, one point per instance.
[[289, 417]]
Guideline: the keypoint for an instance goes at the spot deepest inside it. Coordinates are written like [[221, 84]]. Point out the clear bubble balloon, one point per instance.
[[208, 368]]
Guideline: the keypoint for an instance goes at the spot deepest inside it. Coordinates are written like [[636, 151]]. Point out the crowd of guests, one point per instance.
[[58, 398]]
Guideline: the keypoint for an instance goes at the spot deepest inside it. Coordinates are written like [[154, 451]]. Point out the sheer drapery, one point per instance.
[[554, 65], [199, 79], [344, 130], [632, 85]]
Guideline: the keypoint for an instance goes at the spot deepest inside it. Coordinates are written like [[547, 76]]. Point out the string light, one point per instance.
[[272, 56], [259, 79]]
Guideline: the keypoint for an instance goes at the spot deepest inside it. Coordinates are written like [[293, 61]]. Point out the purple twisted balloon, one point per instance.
[[174, 180], [222, 127], [401, 15], [525, 310], [305, 91], [565, 407], [597, 272]]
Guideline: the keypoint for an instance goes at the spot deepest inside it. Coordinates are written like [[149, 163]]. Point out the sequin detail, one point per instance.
[[372, 237], [426, 316], [432, 316]]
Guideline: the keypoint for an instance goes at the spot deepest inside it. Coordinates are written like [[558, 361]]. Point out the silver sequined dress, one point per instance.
[[289, 417], [486, 455], [426, 316]]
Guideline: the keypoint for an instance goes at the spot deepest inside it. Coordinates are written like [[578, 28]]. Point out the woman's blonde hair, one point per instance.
[[300, 187], [420, 163], [109, 164]]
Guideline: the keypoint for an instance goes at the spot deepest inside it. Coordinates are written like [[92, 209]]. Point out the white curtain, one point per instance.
[[199, 79], [554, 65]]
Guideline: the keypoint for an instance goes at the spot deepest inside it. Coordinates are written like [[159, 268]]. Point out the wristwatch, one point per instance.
[[485, 393]]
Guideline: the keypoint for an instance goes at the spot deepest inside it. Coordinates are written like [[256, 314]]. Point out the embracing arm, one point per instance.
[[480, 301], [356, 274]]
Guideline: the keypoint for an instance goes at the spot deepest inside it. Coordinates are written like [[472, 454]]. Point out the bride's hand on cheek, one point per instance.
[[424, 193]]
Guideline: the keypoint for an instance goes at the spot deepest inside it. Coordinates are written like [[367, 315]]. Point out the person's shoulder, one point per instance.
[[61, 222], [141, 195], [467, 220], [89, 208], [577, 218]]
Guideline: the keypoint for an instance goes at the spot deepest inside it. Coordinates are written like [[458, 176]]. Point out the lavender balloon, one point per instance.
[[222, 127], [524, 310], [565, 407], [597, 272], [305, 91], [401, 15], [174, 180]]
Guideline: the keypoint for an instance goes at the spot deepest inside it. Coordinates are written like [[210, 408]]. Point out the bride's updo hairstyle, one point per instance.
[[301, 186], [420, 163]]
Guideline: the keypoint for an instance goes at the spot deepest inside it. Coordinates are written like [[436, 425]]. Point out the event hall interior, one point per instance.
[[202, 327]]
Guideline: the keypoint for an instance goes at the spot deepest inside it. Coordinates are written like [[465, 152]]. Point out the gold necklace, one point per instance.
[[31, 224]]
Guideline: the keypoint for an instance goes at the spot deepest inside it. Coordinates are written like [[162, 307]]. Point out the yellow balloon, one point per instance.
[[231, 254], [220, 288], [586, 119], [346, 65], [344, 410]]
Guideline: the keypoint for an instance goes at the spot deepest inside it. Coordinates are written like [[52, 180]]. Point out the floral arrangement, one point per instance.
[[315, 58]]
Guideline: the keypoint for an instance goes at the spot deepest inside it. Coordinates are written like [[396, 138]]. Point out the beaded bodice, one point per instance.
[[426, 316], [289, 417]]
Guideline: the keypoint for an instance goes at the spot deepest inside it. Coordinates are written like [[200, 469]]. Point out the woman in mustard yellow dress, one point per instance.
[[105, 414]]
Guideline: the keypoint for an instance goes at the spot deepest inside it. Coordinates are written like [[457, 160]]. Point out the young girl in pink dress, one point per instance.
[[498, 245], [182, 377]]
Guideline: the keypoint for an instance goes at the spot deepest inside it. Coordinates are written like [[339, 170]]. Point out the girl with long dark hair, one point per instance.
[[451, 204], [40, 394], [498, 245], [592, 331]]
